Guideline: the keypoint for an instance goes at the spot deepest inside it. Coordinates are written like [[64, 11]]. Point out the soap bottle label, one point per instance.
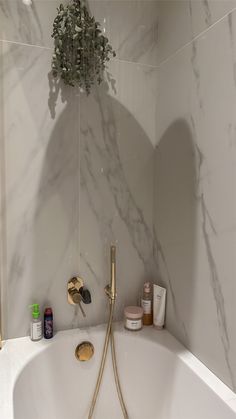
[[48, 328], [147, 306], [36, 330]]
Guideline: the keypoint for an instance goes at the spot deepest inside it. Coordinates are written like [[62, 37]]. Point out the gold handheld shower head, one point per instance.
[[113, 272], [110, 289]]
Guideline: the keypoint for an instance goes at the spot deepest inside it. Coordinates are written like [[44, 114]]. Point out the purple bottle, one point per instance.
[[48, 323]]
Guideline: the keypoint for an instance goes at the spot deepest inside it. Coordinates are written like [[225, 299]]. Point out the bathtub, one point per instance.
[[160, 379]]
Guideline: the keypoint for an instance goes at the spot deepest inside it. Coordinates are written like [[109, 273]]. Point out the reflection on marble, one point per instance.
[[197, 88]]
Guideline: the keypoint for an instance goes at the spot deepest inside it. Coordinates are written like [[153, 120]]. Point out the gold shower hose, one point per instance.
[[109, 336]]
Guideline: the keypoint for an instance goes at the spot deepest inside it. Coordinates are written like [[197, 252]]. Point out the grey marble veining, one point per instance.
[[207, 10], [41, 188], [83, 176], [208, 227], [32, 24], [179, 22], [161, 264], [77, 173], [28, 24], [232, 41], [197, 90], [218, 294], [196, 72], [138, 39], [111, 206]]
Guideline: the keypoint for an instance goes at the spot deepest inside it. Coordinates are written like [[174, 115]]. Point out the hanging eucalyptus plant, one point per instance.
[[81, 50]]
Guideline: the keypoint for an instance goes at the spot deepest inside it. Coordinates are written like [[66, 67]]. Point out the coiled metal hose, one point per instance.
[[109, 336]]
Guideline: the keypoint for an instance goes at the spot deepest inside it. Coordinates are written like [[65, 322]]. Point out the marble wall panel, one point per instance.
[[41, 183], [195, 194], [77, 171], [116, 169], [131, 25]]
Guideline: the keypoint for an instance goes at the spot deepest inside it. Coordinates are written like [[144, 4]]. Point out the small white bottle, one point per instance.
[[36, 329]]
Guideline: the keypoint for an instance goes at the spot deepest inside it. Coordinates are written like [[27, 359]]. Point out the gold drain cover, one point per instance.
[[84, 351]]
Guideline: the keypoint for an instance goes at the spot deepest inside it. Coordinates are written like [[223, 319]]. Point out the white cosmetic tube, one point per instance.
[[159, 306]]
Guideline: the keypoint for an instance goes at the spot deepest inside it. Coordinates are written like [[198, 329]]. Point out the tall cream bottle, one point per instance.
[[159, 306]]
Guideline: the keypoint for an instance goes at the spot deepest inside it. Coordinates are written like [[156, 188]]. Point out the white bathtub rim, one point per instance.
[[20, 351]]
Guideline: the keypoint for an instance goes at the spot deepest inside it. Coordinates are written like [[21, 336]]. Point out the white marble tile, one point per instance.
[[116, 164], [151, 30], [135, 42], [131, 26], [182, 20], [41, 155], [201, 293], [42, 176], [207, 12], [3, 293], [28, 24], [199, 87], [177, 209], [174, 27], [135, 88], [223, 270], [197, 243], [218, 189]]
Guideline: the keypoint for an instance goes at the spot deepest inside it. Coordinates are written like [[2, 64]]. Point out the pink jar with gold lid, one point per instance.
[[133, 318]]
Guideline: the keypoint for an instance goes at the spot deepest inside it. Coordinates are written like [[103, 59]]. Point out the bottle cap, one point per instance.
[[133, 312], [48, 311], [147, 287], [35, 311]]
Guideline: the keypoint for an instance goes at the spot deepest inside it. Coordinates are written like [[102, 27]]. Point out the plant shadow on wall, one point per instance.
[[93, 164], [184, 229], [175, 218], [56, 221], [176, 203]]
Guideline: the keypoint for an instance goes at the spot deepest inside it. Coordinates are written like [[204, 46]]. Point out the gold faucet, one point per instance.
[[77, 293]]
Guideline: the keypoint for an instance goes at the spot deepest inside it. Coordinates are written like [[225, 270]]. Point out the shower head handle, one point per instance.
[[113, 272]]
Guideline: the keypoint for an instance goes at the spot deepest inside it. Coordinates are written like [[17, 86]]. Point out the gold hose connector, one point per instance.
[[110, 290]]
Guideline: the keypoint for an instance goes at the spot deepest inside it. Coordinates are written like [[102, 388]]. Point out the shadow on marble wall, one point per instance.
[[176, 224], [72, 188], [116, 171], [55, 226], [95, 189], [175, 217]]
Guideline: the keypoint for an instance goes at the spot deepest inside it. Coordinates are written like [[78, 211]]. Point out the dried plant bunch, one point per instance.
[[81, 50]]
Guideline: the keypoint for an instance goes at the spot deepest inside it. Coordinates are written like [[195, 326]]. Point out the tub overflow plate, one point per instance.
[[84, 351]]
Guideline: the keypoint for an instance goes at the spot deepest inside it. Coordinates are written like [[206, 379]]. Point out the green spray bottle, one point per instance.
[[36, 330]]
